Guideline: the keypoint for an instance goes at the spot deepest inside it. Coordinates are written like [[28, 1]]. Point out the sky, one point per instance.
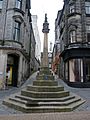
[[51, 7]]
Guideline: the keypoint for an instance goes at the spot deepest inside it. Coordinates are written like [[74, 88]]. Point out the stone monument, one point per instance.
[[44, 94], [45, 30], [45, 73]]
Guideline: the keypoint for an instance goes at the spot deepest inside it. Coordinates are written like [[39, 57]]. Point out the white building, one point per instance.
[[37, 38]]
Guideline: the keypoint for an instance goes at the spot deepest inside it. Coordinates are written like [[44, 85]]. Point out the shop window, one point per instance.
[[19, 4], [66, 70], [17, 31], [72, 36], [87, 7], [75, 70], [1, 1]]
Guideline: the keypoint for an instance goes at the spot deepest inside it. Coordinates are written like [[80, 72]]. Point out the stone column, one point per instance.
[[45, 30], [45, 51]]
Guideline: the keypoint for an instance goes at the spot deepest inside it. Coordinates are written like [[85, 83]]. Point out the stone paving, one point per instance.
[[4, 93], [82, 112], [48, 116], [83, 92]]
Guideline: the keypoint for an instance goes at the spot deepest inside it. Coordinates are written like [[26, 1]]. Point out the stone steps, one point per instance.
[[41, 109], [45, 88], [17, 100], [50, 103], [45, 99], [45, 77], [44, 94], [26, 102], [45, 83], [59, 103]]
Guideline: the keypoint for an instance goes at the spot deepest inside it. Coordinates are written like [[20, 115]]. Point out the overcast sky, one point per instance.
[[51, 7]]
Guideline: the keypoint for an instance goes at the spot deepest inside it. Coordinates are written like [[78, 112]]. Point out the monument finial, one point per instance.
[[45, 17], [45, 25]]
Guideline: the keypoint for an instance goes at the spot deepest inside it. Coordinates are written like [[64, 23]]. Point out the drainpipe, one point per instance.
[[30, 47], [5, 24]]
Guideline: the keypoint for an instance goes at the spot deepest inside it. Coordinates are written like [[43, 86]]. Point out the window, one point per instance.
[[66, 71], [17, 31], [76, 70], [1, 1], [87, 69], [88, 37], [88, 32], [72, 9], [87, 7], [88, 28], [19, 4], [72, 36]]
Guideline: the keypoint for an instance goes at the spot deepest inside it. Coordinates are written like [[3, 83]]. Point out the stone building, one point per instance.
[[73, 31], [15, 35]]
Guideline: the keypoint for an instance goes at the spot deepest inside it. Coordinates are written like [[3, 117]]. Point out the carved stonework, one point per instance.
[[45, 25]]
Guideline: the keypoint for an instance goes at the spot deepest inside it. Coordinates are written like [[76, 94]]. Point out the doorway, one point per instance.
[[87, 70], [12, 70]]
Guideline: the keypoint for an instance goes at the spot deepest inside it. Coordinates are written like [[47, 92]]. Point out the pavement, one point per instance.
[[48, 116], [81, 113]]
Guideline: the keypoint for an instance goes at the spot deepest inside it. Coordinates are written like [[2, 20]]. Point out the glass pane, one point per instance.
[[72, 36], [75, 66], [17, 31], [88, 37], [87, 70], [18, 4], [66, 71], [87, 3], [72, 9], [17, 25], [17, 35], [87, 10]]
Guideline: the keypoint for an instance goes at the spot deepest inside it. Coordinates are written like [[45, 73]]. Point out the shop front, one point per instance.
[[77, 67]]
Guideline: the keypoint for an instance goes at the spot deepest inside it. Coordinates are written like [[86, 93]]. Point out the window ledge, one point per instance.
[[17, 10], [73, 14]]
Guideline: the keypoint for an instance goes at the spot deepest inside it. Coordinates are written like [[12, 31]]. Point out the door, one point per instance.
[[12, 70], [87, 70]]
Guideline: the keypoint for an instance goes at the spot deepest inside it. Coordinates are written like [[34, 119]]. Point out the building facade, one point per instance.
[[15, 26], [38, 42], [73, 24], [32, 51]]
